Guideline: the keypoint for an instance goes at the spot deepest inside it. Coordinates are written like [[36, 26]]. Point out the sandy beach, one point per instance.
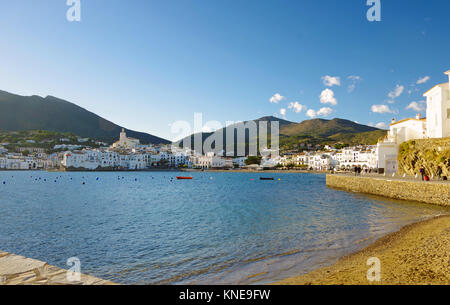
[[418, 254]]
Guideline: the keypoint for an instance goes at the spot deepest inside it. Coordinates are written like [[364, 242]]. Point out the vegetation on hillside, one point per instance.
[[429, 154], [13, 140], [310, 134], [23, 113]]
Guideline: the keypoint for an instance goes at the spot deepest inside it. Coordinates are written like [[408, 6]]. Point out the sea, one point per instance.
[[218, 228]]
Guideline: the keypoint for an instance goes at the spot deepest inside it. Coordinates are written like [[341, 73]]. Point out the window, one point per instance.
[[448, 113]]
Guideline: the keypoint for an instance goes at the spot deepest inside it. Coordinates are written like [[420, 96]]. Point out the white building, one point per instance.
[[125, 142], [436, 125], [438, 110]]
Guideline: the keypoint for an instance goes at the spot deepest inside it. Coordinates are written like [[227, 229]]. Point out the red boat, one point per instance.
[[185, 178]]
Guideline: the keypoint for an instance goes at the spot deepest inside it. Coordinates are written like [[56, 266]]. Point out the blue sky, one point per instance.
[[145, 64]]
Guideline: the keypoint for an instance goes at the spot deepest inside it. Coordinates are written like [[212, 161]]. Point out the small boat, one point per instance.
[[262, 178], [185, 178]]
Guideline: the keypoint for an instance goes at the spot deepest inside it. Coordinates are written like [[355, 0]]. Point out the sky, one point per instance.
[[146, 64]]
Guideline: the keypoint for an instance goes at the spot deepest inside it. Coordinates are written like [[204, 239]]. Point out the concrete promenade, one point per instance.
[[433, 192]]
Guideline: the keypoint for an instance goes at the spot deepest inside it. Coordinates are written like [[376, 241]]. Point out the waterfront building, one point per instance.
[[438, 110], [126, 142], [435, 125]]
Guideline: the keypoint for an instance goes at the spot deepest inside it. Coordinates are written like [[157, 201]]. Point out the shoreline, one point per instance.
[[417, 254]]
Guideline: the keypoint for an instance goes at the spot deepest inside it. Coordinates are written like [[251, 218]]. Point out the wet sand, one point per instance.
[[419, 254]]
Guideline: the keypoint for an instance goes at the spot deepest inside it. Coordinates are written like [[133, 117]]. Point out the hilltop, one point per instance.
[[25, 113]]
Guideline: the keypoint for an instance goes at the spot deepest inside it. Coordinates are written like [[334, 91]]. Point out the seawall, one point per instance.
[[427, 192], [19, 270]]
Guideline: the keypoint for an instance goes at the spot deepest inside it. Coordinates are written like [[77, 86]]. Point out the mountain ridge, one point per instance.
[[314, 131], [51, 113]]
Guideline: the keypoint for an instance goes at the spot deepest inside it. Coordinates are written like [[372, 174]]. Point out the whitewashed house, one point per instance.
[[436, 125]]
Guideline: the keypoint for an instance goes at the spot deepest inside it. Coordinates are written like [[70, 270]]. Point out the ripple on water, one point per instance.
[[148, 229]]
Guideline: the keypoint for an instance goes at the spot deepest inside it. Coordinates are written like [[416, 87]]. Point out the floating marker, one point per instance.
[[4, 182], [84, 183], [97, 179]]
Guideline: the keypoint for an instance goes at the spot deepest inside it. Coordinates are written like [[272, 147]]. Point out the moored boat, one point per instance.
[[185, 178]]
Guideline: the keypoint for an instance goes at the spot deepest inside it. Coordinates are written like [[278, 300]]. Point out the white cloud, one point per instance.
[[381, 109], [276, 98], [396, 92], [323, 112], [381, 125], [327, 97], [311, 113], [283, 111], [326, 111], [416, 106], [423, 80], [354, 80], [297, 107], [331, 81]]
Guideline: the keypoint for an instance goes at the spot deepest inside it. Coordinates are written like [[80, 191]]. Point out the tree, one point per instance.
[[253, 160], [25, 153]]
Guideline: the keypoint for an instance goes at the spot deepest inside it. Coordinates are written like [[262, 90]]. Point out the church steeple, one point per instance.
[[123, 134]]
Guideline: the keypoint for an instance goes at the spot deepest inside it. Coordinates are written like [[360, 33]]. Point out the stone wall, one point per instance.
[[428, 192], [19, 270]]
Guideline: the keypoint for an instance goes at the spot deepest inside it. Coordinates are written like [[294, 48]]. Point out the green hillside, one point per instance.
[[20, 113], [297, 136]]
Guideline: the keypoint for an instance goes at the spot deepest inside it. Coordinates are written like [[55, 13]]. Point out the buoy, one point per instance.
[[251, 179], [84, 183], [4, 182], [279, 179], [45, 180], [55, 180], [97, 179]]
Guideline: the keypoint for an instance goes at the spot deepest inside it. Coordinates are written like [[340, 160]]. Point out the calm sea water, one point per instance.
[[220, 228]]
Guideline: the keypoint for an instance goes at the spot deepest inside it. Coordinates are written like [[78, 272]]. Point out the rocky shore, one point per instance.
[[19, 270]]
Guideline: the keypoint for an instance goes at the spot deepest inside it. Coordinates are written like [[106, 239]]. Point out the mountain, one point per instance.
[[18, 113], [316, 131]]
